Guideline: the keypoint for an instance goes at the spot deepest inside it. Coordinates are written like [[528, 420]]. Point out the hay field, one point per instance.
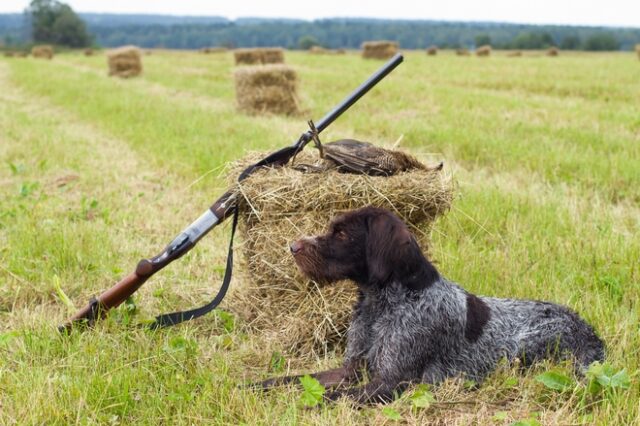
[[97, 172]]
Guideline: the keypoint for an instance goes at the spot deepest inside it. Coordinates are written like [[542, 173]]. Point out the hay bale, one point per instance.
[[278, 206], [553, 51], [432, 50], [638, 50], [267, 89], [483, 51], [214, 49], [124, 62], [9, 54], [514, 54], [318, 50], [381, 49], [463, 52], [21, 54], [43, 51], [257, 56], [88, 52]]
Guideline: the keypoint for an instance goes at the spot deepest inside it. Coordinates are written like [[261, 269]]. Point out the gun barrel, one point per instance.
[[359, 92]]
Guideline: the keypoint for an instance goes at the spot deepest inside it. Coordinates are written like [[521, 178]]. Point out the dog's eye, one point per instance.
[[341, 235]]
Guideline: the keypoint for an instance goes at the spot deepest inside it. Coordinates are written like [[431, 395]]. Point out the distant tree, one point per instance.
[[571, 42], [533, 40], [482, 39], [601, 42], [306, 42], [55, 22]]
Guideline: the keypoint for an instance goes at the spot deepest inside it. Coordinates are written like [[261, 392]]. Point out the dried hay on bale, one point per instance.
[[267, 89], [124, 61], [514, 54], [88, 52], [257, 56], [9, 54], [280, 205], [553, 51], [483, 50], [638, 50], [432, 50], [463, 52], [43, 51], [379, 49], [21, 54]]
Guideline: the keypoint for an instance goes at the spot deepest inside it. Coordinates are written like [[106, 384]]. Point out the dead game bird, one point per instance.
[[352, 156]]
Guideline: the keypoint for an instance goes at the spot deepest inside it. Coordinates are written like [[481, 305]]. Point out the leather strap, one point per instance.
[[167, 320]]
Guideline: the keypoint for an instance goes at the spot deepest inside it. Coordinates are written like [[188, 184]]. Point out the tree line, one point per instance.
[[195, 32]]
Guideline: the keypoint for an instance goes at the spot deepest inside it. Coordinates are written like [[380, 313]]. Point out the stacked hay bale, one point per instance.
[[88, 52], [483, 51], [463, 52], [124, 62], [382, 49], [432, 50], [9, 54], [514, 54], [257, 56], [267, 89], [43, 51], [553, 51], [282, 204]]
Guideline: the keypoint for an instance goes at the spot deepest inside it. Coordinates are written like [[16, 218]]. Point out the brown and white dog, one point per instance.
[[411, 325]]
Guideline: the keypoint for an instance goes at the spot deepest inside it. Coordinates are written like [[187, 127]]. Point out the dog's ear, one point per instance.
[[392, 253]]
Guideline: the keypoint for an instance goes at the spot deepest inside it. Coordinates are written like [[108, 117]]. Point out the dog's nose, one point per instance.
[[295, 247]]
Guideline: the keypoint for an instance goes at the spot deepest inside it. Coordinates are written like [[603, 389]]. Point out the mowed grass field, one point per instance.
[[96, 173]]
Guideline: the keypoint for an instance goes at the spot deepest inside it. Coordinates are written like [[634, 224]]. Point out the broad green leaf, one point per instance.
[[312, 393], [555, 380], [391, 414], [421, 397]]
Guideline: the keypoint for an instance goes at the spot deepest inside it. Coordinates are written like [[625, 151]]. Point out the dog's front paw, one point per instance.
[[333, 396]]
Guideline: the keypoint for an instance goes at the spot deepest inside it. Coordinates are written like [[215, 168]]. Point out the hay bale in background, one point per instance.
[[43, 51], [9, 54], [88, 52], [432, 50], [638, 50], [257, 56], [463, 52], [382, 49], [514, 54], [318, 50], [267, 89], [214, 49], [483, 51], [21, 54], [278, 206], [124, 61], [553, 51]]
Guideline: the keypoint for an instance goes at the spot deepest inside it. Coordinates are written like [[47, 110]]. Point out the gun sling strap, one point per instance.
[[277, 158]]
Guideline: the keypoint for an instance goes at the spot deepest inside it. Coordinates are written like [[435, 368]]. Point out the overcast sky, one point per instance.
[[574, 12]]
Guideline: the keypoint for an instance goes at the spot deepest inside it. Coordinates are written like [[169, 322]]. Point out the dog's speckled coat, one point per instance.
[[411, 325]]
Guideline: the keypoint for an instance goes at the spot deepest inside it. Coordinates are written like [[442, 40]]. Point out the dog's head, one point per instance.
[[370, 246]]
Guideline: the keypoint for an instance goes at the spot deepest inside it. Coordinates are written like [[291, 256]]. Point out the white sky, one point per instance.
[[575, 12]]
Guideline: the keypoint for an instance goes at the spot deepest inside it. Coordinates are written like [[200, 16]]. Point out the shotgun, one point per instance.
[[220, 210]]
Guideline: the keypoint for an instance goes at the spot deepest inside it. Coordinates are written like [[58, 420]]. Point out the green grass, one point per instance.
[[96, 173]]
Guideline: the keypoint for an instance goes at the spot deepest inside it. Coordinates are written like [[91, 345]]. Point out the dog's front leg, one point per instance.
[[345, 375], [376, 391]]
